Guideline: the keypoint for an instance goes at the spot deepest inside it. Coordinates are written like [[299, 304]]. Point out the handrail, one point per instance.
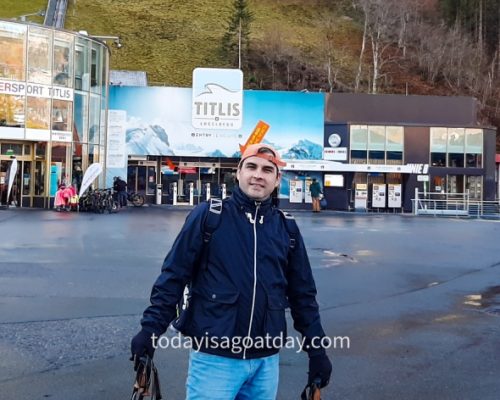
[[454, 204]]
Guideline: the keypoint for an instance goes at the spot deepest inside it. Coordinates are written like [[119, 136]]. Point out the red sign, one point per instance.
[[188, 170]]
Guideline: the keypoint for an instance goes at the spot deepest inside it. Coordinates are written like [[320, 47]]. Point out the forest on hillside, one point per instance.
[[444, 47], [433, 47]]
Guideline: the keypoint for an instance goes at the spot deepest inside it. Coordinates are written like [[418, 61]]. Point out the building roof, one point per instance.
[[401, 109], [127, 78]]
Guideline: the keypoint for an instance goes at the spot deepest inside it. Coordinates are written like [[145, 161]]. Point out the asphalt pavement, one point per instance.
[[411, 303]]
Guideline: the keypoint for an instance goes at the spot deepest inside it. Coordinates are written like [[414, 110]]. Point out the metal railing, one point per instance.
[[454, 205]]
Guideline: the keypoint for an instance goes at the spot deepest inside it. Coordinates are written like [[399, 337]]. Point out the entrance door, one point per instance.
[[142, 179], [20, 194], [21, 191]]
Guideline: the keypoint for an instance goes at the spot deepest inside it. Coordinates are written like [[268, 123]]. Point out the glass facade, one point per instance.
[[53, 104], [376, 144], [456, 147]]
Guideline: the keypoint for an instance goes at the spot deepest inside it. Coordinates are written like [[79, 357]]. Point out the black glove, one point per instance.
[[141, 345], [320, 368]]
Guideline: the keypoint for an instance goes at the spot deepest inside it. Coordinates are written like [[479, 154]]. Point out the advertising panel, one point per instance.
[[217, 98], [307, 193], [159, 122], [296, 191], [378, 195], [361, 196], [394, 196], [116, 156]]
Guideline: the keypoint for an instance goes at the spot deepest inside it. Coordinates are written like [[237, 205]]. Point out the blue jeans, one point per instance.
[[213, 377]]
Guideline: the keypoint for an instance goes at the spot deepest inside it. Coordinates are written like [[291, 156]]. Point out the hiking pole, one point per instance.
[[312, 391], [146, 381]]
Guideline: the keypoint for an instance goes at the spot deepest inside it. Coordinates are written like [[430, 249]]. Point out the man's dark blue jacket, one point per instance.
[[242, 282]]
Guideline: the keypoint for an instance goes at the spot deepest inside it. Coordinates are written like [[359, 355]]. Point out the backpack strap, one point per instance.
[[291, 228], [210, 225], [212, 219]]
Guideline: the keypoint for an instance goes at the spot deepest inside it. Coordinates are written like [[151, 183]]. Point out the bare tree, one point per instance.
[[381, 27]]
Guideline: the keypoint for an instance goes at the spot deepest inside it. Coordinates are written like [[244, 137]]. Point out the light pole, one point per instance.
[[40, 13], [116, 39]]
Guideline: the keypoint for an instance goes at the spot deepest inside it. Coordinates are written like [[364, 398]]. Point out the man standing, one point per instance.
[[316, 194], [120, 187], [243, 277]]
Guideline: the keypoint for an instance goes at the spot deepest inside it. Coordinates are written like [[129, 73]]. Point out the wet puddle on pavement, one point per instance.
[[487, 301], [332, 259]]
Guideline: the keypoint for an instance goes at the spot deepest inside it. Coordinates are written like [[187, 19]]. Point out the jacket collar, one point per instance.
[[243, 201]]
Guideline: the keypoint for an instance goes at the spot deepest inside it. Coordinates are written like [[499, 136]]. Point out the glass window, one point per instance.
[[93, 154], [59, 165], [11, 149], [11, 110], [437, 184], [40, 178], [102, 131], [394, 157], [82, 66], [456, 140], [95, 68], [456, 160], [474, 141], [359, 137], [94, 118], [474, 186], [27, 149], [376, 157], [376, 138], [151, 180], [38, 113], [26, 184], [63, 59], [438, 159], [62, 115], [12, 62], [104, 71], [439, 138], [473, 160], [81, 111], [394, 137], [359, 156], [40, 150], [77, 169], [455, 184], [39, 55]]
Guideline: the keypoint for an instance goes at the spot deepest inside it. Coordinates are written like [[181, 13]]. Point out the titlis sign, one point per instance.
[[35, 90], [217, 98]]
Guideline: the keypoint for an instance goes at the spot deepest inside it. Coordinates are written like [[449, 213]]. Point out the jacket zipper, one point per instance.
[[254, 223]]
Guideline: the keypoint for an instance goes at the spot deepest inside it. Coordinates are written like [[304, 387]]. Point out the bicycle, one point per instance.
[[136, 199]]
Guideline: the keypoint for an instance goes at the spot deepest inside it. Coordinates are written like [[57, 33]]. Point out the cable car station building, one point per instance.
[[53, 99], [173, 145]]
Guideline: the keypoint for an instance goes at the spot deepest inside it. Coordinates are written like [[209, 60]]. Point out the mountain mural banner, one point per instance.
[[158, 123]]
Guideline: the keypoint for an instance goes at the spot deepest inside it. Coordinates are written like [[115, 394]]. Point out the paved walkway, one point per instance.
[[417, 297]]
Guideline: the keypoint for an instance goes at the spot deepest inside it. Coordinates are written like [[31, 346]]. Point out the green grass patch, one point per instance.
[[169, 38], [15, 8]]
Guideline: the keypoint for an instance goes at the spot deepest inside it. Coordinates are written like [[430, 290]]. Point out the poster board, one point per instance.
[[394, 195], [296, 191], [361, 196], [307, 192], [378, 195]]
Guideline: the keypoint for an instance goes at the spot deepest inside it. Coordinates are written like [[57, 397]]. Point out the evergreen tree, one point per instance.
[[236, 40]]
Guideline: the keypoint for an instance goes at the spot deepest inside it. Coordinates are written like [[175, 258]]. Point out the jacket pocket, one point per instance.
[[275, 323], [214, 312]]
